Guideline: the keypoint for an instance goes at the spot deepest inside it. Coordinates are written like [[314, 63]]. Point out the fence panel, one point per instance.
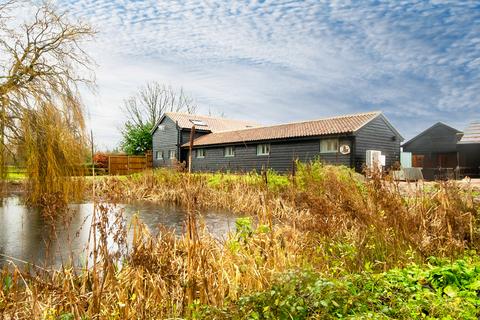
[[123, 164]]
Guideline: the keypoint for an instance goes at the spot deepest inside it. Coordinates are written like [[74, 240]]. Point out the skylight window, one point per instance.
[[199, 123]]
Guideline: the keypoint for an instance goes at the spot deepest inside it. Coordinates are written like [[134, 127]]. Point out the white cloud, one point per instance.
[[288, 60]]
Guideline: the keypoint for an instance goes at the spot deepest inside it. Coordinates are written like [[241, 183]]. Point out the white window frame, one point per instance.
[[200, 153], [228, 154], [263, 149], [159, 155], [172, 154], [325, 146]]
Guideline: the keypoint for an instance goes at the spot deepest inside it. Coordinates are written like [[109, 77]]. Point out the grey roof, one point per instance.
[[428, 129], [471, 133]]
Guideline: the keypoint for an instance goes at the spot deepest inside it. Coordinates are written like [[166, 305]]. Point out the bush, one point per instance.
[[100, 160], [136, 139], [437, 290]]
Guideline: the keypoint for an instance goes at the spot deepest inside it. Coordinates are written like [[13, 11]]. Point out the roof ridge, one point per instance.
[[306, 121], [210, 117], [423, 132]]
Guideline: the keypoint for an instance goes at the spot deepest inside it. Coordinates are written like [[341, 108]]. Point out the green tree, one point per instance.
[[137, 139], [145, 109]]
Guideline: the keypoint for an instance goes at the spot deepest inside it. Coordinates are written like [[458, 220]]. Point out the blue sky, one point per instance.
[[278, 61]]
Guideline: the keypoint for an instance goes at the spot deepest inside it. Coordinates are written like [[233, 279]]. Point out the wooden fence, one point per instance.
[[123, 164]]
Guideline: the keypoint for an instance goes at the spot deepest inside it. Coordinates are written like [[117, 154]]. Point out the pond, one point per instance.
[[25, 235]]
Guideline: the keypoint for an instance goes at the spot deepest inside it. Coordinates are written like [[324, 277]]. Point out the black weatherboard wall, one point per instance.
[[379, 135], [164, 138], [287, 142], [435, 150], [469, 151], [173, 131], [282, 155], [168, 136]]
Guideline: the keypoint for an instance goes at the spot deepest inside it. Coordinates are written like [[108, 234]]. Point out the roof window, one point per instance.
[[199, 123]]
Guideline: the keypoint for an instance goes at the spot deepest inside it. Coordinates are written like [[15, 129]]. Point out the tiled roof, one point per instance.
[[471, 133], [213, 124], [328, 126]]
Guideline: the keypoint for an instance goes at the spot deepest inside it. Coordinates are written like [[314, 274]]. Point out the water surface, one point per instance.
[[26, 236]]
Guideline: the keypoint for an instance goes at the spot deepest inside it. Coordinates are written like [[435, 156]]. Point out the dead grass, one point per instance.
[[326, 219]]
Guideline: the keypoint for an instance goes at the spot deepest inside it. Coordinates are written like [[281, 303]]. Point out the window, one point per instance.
[[329, 146], [159, 155], [172, 154], [161, 127], [229, 152], [199, 123], [263, 149], [200, 153]]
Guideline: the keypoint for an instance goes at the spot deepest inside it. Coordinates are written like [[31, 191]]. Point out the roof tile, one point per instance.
[[213, 124], [471, 133], [328, 126]]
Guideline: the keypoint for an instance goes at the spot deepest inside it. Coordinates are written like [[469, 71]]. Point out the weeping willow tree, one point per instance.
[[53, 150], [42, 64]]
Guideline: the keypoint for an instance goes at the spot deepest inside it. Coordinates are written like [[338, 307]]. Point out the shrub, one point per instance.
[[437, 290], [100, 160]]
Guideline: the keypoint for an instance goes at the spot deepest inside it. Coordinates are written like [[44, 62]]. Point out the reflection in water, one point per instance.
[[24, 235]]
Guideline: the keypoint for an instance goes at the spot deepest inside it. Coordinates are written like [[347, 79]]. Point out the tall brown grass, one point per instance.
[[377, 218], [326, 218]]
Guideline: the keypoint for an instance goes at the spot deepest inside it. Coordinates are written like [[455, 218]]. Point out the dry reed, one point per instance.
[[326, 219]]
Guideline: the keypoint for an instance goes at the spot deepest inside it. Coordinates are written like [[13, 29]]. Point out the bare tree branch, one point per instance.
[[152, 101], [41, 62]]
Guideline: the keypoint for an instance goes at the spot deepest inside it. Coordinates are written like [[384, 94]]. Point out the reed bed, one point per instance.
[[325, 219]]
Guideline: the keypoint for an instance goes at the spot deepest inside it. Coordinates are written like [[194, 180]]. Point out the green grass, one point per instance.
[[15, 173], [275, 181]]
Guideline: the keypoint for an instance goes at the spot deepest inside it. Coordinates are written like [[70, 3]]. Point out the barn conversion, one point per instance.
[[229, 145], [445, 152]]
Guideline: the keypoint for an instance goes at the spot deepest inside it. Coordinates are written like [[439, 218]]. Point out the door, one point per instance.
[[417, 160]]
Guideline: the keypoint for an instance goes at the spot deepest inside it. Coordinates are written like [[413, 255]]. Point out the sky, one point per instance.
[[283, 61]]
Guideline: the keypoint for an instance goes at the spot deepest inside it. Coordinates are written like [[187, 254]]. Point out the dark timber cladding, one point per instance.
[[435, 150], [173, 130], [379, 135], [469, 150], [281, 157], [342, 140]]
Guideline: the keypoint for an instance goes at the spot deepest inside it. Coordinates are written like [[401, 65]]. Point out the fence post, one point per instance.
[[192, 135]]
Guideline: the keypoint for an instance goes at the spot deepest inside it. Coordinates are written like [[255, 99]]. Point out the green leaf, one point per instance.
[[450, 291], [7, 283], [475, 285], [66, 316]]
